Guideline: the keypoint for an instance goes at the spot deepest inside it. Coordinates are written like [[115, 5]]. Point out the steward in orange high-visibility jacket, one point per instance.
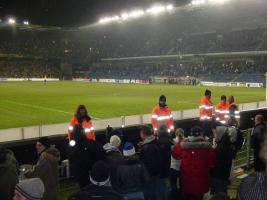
[[162, 115], [222, 111], [205, 107], [82, 118], [233, 109]]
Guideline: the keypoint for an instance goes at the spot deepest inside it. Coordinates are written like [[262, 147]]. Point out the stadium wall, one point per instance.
[[26, 133], [28, 79]]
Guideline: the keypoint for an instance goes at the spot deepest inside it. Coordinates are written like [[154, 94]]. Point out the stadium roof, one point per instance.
[[69, 13]]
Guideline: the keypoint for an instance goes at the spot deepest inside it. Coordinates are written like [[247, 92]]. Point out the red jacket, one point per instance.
[[162, 116], [197, 158], [205, 109], [87, 125], [222, 112]]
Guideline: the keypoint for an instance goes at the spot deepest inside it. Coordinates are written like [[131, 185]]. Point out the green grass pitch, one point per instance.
[[33, 103]]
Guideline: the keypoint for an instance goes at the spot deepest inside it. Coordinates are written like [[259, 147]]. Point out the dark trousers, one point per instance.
[[191, 197], [175, 189], [259, 166], [218, 186], [207, 126]]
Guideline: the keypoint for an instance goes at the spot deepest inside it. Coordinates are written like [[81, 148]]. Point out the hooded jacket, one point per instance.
[[197, 159], [47, 170], [113, 154]]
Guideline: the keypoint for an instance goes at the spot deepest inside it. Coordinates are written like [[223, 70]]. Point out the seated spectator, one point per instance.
[[255, 185], [83, 154], [113, 154], [99, 188], [129, 175], [197, 159], [46, 168], [8, 173], [115, 141], [225, 153], [175, 167], [150, 155], [29, 189]]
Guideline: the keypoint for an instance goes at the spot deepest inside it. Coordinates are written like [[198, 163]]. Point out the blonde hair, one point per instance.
[[179, 133]]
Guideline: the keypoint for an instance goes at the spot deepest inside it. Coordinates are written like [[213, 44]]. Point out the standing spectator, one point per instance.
[[255, 185], [46, 168], [129, 175], [99, 188], [82, 118], [150, 155], [257, 136], [82, 154], [8, 173], [165, 143], [29, 189], [175, 167], [224, 155], [198, 158]]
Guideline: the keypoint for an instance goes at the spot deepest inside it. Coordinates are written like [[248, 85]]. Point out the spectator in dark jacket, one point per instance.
[[8, 174], [129, 175], [99, 188], [257, 136], [165, 143], [46, 168], [224, 155], [150, 155], [198, 158], [82, 154], [113, 153]]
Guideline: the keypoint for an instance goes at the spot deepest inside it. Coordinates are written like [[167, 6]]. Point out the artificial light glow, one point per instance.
[[124, 16], [218, 1], [72, 143], [136, 13], [26, 22], [198, 2], [156, 10], [11, 21], [169, 7]]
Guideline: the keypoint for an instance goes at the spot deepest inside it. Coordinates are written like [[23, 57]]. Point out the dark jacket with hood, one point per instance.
[[113, 154], [47, 170], [129, 175], [8, 174], [94, 192], [257, 136], [150, 155], [225, 153]]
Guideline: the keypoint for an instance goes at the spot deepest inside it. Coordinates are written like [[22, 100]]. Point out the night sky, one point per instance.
[[70, 13]]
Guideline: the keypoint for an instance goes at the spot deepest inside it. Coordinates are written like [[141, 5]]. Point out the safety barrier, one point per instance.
[[23, 133]]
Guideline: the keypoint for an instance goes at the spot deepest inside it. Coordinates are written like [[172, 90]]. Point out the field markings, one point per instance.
[[43, 108]]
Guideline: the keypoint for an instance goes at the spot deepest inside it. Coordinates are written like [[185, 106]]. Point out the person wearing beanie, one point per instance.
[[162, 115], [197, 159], [225, 153], [254, 186], [83, 154], [46, 168], [115, 141], [29, 189], [129, 175], [99, 186]]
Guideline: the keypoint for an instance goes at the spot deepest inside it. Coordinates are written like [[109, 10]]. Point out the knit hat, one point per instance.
[[100, 173], [128, 149], [44, 141], [253, 187], [31, 189], [196, 131], [115, 141]]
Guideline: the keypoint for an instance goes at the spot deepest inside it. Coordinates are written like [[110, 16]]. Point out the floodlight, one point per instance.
[[11, 21], [136, 13], [156, 10], [169, 7], [26, 22], [198, 2], [124, 16]]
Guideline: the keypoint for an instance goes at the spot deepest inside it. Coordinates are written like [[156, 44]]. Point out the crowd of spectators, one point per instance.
[[32, 68], [182, 166]]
